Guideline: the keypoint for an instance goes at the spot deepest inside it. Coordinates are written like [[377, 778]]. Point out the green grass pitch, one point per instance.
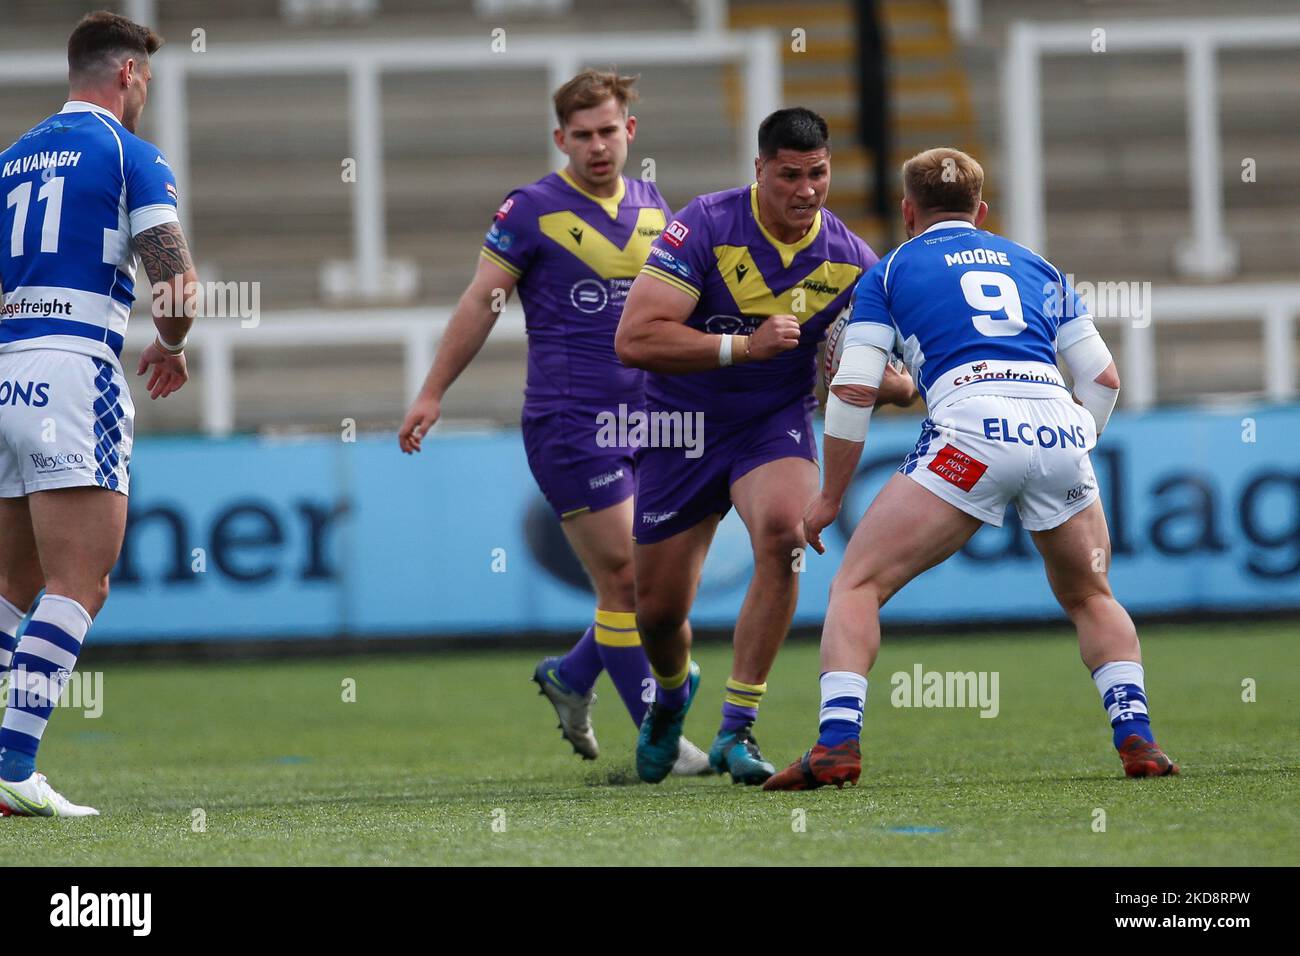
[[452, 758]]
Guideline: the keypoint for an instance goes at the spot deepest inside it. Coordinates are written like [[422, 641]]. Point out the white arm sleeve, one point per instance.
[[859, 365], [1086, 357]]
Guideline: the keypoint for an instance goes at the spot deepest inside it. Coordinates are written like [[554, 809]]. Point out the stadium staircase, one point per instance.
[[930, 92]]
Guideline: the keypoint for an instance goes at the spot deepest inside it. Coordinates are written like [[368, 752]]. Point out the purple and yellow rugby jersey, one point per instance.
[[576, 256], [718, 252]]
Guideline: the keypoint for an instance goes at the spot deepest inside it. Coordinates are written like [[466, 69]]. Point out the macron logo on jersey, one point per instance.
[[159, 161], [676, 233], [46, 160]]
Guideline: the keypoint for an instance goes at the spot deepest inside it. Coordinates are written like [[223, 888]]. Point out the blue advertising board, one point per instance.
[[259, 538]]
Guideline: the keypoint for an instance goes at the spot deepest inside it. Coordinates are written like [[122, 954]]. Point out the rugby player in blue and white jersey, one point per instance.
[[982, 322], [83, 195]]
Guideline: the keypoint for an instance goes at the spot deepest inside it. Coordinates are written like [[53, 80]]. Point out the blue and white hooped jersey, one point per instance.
[[76, 189], [971, 312]]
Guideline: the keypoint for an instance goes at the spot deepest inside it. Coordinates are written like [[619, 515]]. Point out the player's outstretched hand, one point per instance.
[[169, 371], [777, 334], [821, 511], [422, 416]]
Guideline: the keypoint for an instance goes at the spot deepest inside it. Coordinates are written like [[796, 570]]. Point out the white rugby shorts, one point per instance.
[[983, 451], [66, 421]]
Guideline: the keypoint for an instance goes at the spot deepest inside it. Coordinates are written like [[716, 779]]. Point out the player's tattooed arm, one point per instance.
[[164, 253], [175, 289]]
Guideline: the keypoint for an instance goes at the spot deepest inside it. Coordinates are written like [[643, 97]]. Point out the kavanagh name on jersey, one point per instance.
[[46, 160]]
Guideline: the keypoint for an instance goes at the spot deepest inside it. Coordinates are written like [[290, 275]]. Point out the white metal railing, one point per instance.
[[141, 11], [1208, 253], [1275, 305], [711, 16], [757, 53], [215, 340], [964, 19]]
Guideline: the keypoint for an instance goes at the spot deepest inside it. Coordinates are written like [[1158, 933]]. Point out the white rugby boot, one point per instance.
[[34, 797], [691, 761], [573, 709]]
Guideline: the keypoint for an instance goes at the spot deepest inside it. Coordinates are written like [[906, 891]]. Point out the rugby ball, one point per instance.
[[834, 350], [834, 347]]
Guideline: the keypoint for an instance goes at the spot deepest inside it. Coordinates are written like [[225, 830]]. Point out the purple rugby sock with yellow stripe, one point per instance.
[[740, 704], [579, 668], [619, 643]]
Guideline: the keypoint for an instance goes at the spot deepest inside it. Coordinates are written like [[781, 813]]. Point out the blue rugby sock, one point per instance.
[[1123, 694], [11, 620], [844, 698], [42, 663]]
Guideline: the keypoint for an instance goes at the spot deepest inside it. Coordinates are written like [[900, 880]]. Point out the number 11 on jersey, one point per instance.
[[19, 199]]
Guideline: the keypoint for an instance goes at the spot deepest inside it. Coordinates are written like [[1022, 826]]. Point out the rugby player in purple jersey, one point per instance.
[[726, 317], [572, 243]]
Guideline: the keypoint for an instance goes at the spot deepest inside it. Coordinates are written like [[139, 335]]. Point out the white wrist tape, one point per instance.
[[724, 350], [171, 349], [845, 421], [1086, 357]]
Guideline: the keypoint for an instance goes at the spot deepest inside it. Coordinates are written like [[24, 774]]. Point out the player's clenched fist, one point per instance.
[[780, 333], [422, 416]]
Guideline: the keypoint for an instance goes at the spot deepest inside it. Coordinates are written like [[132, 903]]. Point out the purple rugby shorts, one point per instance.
[[573, 471], [675, 492]]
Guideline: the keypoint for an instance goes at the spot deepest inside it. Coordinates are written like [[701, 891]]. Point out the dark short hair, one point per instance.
[[102, 34], [796, 128]]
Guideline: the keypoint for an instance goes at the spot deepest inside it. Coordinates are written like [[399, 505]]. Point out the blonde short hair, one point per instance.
[[591, 88], [943, 179]]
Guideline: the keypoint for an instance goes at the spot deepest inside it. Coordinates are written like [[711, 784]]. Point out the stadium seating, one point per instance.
[[268, 203]]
